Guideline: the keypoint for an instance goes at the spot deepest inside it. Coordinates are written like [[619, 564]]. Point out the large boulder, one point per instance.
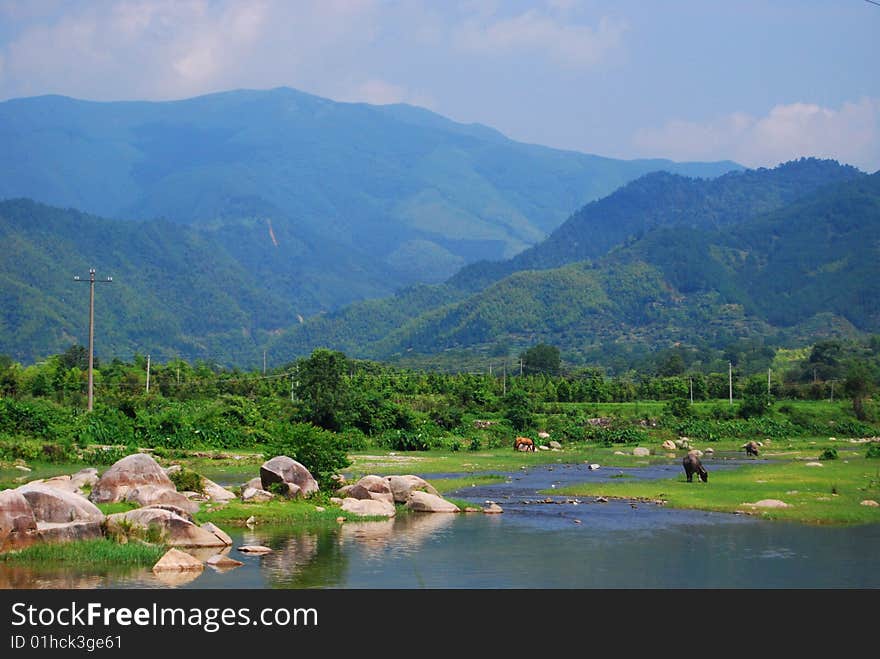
[[254, 495], [59, 506], [16, 516], [215, 492], [403, 486], [423, 502], [69, 531], [129, 473], [641, 452], [176, 531], [282, 469], [354, 491], [150, 495], [368, 507], [220, 533]]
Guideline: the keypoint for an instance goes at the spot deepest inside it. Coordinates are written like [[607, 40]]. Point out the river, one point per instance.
[[570, 543]]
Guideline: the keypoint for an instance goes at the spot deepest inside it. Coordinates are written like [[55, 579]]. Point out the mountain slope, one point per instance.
[[784, 275], [176, 291], [663, 199], [420, 194]]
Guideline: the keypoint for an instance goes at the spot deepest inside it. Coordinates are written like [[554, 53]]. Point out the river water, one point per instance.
[[570, 543]]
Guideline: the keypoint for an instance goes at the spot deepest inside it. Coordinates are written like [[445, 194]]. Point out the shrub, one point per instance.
[[401, 440], [873, 450], [186, 480], [829, 454], [680, 408], [320, 451]]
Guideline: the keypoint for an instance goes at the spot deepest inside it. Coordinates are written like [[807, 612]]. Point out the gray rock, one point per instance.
[[641, 452], [215, 492], [368, 507], [402, 486], [256, 483], [223, 562], [220, 533], [59, 506], [16, 516], [176, 531], [149, 495], [554, 444], [253, 495], [254, 549], [669, 445], [282, 469], [127, 474], [69, 531], [493, 509], [423, 502], [175, 560]]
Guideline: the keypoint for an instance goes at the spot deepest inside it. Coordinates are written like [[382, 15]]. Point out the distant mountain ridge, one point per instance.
[[806, 268], [415, 193], [661, 199]]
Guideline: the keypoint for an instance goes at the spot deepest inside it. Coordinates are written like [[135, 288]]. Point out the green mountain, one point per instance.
[[385, 196], [805, 270], [176, 290], [663, 199]]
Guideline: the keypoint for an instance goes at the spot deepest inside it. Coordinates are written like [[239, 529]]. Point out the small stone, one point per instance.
[[177, 560], [541, 447], [814, 464], [471, 509], [593, 467], [669, 445], [543, 434], [250, 521], [554, 444], [769, 503], [577, 521], [641, 452], [340, 520], [222, 562], [254, 549], [320, 509], [869, 502], [601, 500], [493, 509], [23, 468]]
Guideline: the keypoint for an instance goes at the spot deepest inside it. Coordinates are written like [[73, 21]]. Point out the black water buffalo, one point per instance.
[[692, 465]]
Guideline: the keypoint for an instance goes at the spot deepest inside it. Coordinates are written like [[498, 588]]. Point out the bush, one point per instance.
[[186, 480], [401, 440], [320, 451], [680, 408], [829, 454], [873, 450]]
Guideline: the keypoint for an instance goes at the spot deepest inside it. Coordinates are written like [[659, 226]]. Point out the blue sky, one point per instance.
[[759, 82]]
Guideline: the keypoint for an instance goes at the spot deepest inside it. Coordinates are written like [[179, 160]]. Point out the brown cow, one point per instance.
[[523, 444], [751, 448]]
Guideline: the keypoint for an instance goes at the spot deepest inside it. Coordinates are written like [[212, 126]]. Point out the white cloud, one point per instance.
[[850, 134], [175, 48], [571, 44], [382, 92]]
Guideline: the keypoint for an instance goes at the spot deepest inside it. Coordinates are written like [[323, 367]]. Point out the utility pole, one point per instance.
[[91, 281], [730, 380], [148, 374]]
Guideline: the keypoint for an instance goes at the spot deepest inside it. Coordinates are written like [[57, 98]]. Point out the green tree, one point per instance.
[[323, 387], [541, 358], [756, 400], [518, 409], [858, 386]]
